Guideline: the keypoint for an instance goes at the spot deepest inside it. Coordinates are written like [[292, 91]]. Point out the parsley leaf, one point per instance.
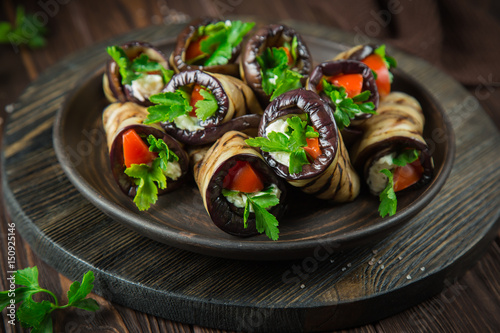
[[388, 201], [151, 178], [292, 142], [37, 314], [27, 30], [222, 38], [170, 105], [206, 107], [277, 77], [131, 70], [264, 221], [406, 157], [346, 108]]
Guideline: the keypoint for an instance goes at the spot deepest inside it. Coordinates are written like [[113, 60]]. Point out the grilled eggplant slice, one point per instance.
[[237, 109], [330, 176], [116, 91], [187, 42], [397, 126], [211, 174], [272, 36], [118, 118]]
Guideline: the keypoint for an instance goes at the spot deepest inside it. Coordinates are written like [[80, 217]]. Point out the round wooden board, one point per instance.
[[327, 290]]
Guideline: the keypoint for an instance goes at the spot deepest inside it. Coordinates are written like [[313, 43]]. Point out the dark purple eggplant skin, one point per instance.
[[177, 57], [332, 68], [228, 217], [270, 36], [126, 183], [397, 144], [214, 127], [321, 117], [363, 52], [120, 92]]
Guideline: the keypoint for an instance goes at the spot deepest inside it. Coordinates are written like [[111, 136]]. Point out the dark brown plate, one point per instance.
[[179, 218]]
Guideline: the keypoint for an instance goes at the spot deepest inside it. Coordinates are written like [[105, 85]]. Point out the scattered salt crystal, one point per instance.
[[302, 286], [343, 269], [9, 108], [370, 263], [422, 269], [380, 261], [349, 265], [383, 266], [400, 257], [332, 260], [374, 251], [408, 277]]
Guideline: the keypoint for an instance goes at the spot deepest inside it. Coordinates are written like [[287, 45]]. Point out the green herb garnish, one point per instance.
[[146, 176], [170, 105], [277, 77], [27, 30], [36, 315], [292, 142], [222, 38], [388, 200], [131, 70], [346, 108], [264, 221], [389, 61]]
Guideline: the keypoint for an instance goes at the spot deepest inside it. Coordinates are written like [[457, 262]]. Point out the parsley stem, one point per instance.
[[56, 302]]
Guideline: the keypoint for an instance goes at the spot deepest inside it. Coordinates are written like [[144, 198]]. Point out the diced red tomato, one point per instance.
[[195, 97], [289, 55], [376, 63], [135, 150], [242, 177], [313, 148], [353, 83], [194, 48], [407, 175]]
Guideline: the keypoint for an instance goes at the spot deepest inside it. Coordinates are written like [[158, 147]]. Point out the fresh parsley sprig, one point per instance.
[[27, 30], [265, 222], [292, 142], [388, 200], [277, 77], [37, 315], [389, 61], [170, 105], [146, 176], [346, 108], [222, 38], [131, 70]]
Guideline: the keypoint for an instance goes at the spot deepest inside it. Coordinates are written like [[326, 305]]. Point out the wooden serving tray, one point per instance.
[[325, 290]]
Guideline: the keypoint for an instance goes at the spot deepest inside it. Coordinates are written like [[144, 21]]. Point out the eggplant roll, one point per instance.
[[139, 90], [187, 55], [368, 55], [330, 176], [397, 126], [211, 174], [270, 36], [118, 118], [238, 109]]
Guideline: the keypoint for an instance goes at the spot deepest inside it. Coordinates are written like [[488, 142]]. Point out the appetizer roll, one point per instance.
[[375, 58], [198, 107], [145, 161], [392, 154], [300, 141], [275, 60], [210, 45], [135, 71], [242, 195], [349, 87]]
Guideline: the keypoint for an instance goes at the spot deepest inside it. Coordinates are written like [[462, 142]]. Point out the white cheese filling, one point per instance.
[[173, 170], [280, 126], [187, 122], [147, 85], [376, 180], [239, 199]]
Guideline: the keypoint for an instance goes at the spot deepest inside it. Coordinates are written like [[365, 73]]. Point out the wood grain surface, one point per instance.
[[469, 303]]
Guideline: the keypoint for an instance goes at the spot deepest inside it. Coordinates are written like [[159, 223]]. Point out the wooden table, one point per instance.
[[471, 303]]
